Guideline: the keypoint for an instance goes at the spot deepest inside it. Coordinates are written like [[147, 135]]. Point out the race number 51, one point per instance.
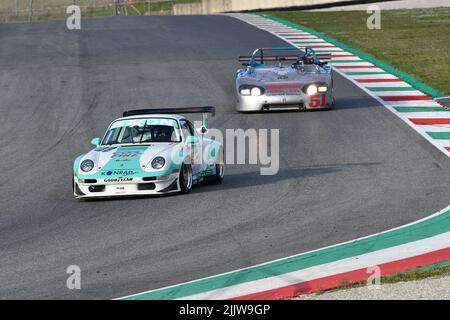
[[317, 101]]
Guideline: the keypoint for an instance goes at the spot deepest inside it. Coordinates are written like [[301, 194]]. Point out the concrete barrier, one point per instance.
[[217, 6]]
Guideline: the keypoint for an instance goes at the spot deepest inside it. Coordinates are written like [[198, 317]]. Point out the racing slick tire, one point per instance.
[[186, 178], [220, 173], [217, 178]]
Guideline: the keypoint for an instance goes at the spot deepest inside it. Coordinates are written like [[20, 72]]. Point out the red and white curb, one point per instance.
[[425, 115]]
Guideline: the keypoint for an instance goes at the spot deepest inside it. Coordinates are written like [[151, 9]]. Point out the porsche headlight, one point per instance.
[[322, 89], [256, 91], [158, 163], [311, 90], [87, 165]]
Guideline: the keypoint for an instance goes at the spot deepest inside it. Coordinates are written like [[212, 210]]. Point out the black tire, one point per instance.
[[185, 184], [217, 178], [220, 171]]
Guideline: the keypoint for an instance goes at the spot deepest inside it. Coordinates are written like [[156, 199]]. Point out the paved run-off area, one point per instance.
[[345, 173]]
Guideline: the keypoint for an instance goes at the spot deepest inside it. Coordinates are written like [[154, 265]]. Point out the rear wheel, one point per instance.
[[186, 179]]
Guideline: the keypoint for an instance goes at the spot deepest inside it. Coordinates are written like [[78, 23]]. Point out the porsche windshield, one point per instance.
[[138, 131]]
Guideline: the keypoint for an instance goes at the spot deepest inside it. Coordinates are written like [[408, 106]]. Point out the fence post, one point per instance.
[[116, 7], [30, 13]]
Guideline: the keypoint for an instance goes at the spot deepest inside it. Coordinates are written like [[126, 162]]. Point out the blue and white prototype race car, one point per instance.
[[149, 152]]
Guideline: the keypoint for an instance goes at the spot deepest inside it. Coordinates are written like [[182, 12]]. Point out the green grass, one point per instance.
[[434, 271], [154, 7], [416, 41], [151, 8]]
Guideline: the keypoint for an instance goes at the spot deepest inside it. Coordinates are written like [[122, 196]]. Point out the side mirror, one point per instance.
[[96, 141], [191, 139], [202, 130]]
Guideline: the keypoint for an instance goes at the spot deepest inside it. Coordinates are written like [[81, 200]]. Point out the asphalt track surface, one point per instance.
[[344, 173]]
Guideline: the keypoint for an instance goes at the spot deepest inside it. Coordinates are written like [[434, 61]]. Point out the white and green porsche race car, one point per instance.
[[149, 152]]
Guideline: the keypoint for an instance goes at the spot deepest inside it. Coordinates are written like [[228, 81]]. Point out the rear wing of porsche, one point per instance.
[[260, 56], [203, 110]]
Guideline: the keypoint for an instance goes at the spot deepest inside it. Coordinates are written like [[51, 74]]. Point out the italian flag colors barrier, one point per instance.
[[405, 96], [415, 245]]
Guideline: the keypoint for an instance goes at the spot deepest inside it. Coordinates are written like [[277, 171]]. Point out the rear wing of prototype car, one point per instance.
[[259, 56], [203, 110]]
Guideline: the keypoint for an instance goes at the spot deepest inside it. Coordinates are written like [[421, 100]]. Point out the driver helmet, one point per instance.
[[309, 59]]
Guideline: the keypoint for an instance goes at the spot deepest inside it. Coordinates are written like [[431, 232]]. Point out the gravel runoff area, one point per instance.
[[426, 289], [389, 5]]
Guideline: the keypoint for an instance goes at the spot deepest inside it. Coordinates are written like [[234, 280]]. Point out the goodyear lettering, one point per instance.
[[119, 180]]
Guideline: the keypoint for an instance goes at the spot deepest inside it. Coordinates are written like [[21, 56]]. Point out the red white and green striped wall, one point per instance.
[[407, 98]]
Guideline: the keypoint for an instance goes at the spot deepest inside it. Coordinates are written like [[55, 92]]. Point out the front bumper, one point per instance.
[[285, 101], [122, 187]]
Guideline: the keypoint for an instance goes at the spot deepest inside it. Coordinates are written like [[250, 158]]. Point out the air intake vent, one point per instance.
[[146, 186], [96, 188]]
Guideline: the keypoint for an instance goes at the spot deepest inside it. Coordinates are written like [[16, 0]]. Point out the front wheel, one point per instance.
[[220, 173], [186, 178]]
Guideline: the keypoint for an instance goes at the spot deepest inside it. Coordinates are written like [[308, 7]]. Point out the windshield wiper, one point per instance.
[[143, 131]]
